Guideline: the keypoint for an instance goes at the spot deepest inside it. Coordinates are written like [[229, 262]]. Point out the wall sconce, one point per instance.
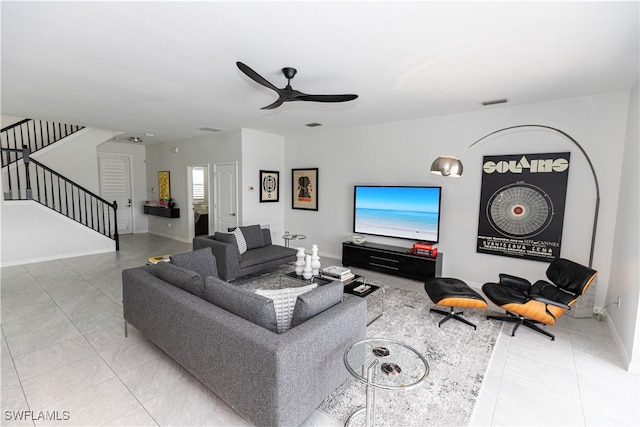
[[451, 166]]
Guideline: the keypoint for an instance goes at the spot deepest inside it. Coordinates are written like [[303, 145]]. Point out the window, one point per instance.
[[198, 185]]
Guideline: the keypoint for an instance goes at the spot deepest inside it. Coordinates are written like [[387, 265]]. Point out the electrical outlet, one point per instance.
[[618, 302]]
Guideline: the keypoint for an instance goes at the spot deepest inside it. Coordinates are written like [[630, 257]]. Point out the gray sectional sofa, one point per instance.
[[227, 337], [235, 260]]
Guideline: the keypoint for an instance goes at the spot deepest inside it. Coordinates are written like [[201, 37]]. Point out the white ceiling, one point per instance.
[[168, 68]]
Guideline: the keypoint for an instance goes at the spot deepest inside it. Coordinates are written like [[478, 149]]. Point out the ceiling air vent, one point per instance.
[[495, 101], [208, 129], [313, 125]]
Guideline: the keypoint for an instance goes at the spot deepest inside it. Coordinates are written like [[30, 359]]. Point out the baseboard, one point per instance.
[[626, 357], [58, 257]]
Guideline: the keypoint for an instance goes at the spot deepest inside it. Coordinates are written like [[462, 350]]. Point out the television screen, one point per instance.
[[397, 211]]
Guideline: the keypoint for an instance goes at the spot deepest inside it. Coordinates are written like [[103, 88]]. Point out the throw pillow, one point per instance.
[[201, 261], [242, 244], [284, 302], [248, 305], [253, 236], [316, 301], [187, 280]]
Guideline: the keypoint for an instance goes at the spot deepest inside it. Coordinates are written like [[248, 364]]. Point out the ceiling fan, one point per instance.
[[287, 93]]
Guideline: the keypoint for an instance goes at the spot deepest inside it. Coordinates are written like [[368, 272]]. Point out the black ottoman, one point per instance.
[[450, 292]]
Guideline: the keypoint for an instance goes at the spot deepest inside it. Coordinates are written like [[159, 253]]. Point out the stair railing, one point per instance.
[[32, 180], [35, 134]]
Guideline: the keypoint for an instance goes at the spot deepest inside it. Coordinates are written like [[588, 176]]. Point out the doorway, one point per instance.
[[198, 199]]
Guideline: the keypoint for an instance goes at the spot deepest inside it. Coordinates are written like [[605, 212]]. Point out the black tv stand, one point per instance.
[[391, 260]]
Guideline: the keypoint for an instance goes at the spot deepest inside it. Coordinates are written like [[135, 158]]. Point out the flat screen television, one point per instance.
[[406, 212]]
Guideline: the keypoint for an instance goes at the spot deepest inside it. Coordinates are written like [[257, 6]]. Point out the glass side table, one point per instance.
[[386, 364], [289, 237]]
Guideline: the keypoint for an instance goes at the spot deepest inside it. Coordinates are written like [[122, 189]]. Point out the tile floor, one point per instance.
[[63, 351]]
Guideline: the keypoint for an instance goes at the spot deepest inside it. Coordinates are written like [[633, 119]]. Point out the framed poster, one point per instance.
[[522, 205], [269, 186], [304, 189], [164, 188]]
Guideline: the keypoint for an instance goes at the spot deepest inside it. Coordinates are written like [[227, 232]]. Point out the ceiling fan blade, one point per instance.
[[327, 98], [276, 104], [255, 76]]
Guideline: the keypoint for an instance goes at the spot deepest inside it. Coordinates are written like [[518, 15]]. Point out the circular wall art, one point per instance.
[[519, 210]]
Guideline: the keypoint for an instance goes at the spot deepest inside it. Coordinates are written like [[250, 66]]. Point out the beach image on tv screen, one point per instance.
[[405, 212]]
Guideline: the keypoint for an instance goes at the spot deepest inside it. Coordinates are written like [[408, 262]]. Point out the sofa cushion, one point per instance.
[[187, 280], [248, 305], [316, 301], [253, 236], [284, 302], [265, 254], [201, 261], [240, 241]]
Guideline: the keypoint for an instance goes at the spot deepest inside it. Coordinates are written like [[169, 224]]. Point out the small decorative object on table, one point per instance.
[[300, 261], [307, 272], [380, 351], [390, 368], [315, 260]]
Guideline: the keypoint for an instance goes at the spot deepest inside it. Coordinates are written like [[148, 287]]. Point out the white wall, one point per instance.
[[624, 281], [262, 151], [136, 154], [76, 157], [208, 149], [402, 152], [32, 233]]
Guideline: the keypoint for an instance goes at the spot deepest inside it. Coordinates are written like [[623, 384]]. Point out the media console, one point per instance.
[[391, 260]]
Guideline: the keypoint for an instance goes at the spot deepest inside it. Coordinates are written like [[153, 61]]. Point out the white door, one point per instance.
[[115, 185], [225, 196]]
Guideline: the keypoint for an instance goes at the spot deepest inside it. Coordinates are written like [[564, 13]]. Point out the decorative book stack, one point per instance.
[[160, 258], [335, 272]]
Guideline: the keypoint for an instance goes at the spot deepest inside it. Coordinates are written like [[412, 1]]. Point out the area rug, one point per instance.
[[458, 358]]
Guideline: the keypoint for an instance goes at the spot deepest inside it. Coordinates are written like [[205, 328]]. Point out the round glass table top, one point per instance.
[[289, 236], [396, 366]]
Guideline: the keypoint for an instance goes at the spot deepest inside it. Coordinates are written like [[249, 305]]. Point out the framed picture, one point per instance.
[[304, 189], [269, 186], [164, 187]]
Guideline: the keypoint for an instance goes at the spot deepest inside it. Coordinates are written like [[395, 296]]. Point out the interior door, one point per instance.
[[115, 185], [225, 196]]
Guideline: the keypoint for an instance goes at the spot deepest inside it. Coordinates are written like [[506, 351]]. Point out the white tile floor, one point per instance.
[[63, 351]]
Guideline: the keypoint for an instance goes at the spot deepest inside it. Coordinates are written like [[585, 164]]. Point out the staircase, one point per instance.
[[25, 178]]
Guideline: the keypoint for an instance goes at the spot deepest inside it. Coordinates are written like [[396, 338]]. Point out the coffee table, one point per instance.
[[292, 277], [374, 296], [367, 361]]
